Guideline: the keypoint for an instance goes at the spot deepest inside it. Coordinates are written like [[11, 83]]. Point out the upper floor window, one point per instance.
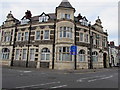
[[26, 35], [43, 18], [24, 21], [86, 37], [37, 35], [19, 36], [7, 36], [66, 16], [84, 21], [65, 32], [81, 36], [46, 34]]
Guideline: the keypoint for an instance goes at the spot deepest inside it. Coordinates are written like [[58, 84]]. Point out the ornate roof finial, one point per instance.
[[98, 17], [10, 12], [106, 30]]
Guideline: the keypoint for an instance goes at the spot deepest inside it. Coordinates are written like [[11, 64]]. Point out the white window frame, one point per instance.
[[32, 54], [64, 54], [45, 55], [48, 35], [24, 21], [95, 56], [17, 54], [18, 36], [65, 32], [43, 18], [25, 36], [24, 55], [81, 38], [36, 35], [5, 55], [81, 56]]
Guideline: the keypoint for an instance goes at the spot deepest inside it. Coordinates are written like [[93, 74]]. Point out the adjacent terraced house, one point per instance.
[[44, 41]]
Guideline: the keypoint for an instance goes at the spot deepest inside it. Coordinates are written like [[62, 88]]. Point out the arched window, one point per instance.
[[81, 55], [45, 54], [5, 53], [95, 56]]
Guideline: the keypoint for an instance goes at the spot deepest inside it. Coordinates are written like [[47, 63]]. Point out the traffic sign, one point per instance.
[[73, 50]]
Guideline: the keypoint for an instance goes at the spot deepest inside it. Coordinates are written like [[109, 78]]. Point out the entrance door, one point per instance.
[[105, 60]]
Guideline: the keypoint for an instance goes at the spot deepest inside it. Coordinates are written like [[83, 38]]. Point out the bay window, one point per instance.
[[65, 32], [64, 54]]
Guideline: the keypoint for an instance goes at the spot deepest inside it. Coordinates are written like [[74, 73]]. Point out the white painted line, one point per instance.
[[100, 78], [59, 86], [93, 77], [38, 84], [49, 83], [27, 71], [81, 79]]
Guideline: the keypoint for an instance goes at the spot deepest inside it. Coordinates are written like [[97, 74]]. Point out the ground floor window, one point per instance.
[[24, 54], [17, 54], [95, 56], [45, 54], [64, 54], [32, 54], [5, 53], [81, 56]]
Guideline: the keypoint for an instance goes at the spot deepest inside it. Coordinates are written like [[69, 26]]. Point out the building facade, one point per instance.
[[45, 40], [113, 54]]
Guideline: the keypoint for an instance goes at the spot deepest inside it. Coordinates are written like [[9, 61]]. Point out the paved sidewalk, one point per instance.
[[62, 71]]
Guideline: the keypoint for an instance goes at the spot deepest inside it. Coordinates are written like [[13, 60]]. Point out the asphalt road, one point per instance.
[[32, 79]]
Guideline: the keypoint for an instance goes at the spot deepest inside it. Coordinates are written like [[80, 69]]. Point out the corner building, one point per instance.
[[44, 41]]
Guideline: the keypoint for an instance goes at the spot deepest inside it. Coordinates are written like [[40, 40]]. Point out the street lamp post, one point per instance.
[[28, 16], [91, 45]]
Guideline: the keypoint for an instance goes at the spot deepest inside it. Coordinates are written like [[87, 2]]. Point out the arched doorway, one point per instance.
[[105, 60]]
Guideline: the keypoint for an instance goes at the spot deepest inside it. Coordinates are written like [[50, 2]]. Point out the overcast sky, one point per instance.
[[107, 10]]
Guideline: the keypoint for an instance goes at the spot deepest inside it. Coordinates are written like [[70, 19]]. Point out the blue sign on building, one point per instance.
[[73, 50]]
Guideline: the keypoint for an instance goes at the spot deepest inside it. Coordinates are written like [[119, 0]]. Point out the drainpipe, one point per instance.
[[75, 62], [13, 51]]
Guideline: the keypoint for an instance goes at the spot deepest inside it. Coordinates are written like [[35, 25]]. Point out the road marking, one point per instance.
[[59, 86], [81, 79], [38, 84], [100, 78], [27, 71]]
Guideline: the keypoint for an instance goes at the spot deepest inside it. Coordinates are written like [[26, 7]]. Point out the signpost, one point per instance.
[[73, 51]]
